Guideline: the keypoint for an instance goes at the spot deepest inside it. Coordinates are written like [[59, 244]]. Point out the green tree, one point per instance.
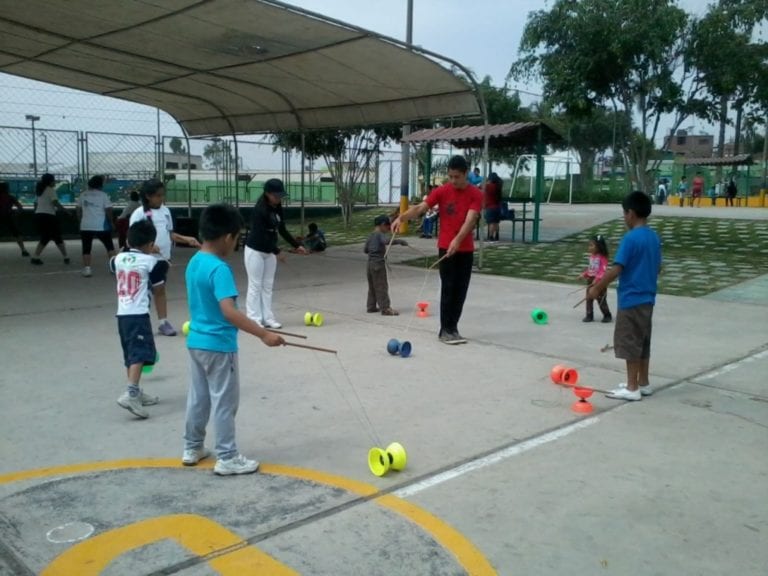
[[624, 55], [176, 146], [348, 155], [731, 63]]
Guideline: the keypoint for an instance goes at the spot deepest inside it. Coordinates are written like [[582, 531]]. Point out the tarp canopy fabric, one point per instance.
[[512, 134], [740, 160], [228, 66]]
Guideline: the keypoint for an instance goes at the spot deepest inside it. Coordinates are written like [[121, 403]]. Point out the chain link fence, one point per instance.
[[196, 171]]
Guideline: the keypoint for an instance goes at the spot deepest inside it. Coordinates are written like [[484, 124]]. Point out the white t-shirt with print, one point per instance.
[[132, 270], [161, 218], [94, 204], [45, 202]]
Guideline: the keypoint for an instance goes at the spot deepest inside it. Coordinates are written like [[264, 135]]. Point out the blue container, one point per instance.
[[405, 349]]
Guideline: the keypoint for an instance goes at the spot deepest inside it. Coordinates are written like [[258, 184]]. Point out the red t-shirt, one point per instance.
[[492, 195], [454, 205], [697, 185]]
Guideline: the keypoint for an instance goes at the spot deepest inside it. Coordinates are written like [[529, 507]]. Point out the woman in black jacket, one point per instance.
[[262, 253]]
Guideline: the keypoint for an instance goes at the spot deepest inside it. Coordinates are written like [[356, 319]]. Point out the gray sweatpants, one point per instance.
[[214, 383]]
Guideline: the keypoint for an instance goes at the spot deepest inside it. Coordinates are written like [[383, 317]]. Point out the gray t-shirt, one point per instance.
[[376, 246]]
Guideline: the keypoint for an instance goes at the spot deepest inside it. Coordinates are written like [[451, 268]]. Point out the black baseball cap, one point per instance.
[[381, 219], [275, 186]]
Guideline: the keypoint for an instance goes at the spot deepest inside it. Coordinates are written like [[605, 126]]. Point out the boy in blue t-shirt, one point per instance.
[[637, 265], [212, 343]]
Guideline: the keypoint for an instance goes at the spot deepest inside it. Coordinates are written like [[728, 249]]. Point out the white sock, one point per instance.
[[162, 320]]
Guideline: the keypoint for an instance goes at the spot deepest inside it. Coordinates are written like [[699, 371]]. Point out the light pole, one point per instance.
[[32, 118], [45, 150]]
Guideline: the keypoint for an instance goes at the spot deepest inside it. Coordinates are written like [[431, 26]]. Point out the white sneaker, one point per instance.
[[132, 404], [87, 272], [646, 390], [147, 400], [237, 465], [273, 324], [625, 394], [193, 456]]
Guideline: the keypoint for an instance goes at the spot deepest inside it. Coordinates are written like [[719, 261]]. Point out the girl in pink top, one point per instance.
[[598, 262]]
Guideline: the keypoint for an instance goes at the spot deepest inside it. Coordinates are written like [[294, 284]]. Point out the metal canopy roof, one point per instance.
[[515, 134], [229, 66], [740, 160]]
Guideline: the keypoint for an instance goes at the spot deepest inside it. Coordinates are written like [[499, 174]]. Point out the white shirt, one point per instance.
[[163, 222], [94, 204], [45, 202], [133, 286]]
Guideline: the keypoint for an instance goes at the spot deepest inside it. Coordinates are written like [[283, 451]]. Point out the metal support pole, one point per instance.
[[540, 150], [405, 161], [303, 162], [237, 173]]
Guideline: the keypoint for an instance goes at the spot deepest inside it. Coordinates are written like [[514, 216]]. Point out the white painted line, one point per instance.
[[69, 532], [493, 458], [732, 366]]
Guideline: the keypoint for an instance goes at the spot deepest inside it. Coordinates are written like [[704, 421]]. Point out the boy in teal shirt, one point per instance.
[[212, 343]]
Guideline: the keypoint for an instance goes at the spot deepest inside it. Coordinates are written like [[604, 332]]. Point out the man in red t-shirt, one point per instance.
[[697, 189], [460, 204]]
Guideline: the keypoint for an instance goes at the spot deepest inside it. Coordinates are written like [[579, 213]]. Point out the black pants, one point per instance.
[[602, 301], [378, 287], [455, 273]]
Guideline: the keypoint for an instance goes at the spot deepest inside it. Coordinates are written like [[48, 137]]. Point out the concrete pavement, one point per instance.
[[502, 476]]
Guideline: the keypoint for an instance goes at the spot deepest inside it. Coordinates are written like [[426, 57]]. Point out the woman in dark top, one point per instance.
[[262, 253]]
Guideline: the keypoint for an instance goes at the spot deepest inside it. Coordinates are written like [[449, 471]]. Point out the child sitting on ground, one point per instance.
[[315, 239], [376, 248]]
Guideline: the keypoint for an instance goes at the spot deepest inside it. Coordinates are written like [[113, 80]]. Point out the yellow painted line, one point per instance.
[[467, 555], [199, 535]]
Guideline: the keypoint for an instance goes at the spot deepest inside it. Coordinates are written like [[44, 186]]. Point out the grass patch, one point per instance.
[[701, 255]]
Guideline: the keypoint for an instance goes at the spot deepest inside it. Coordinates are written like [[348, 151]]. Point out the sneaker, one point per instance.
[[373, 310], [133, 405], [624, 394], [166, 329], [588, 318], [457, 338], [67, 260], [192, 456], [607, 319], [273, 324], [445, 338], [24, 254], [237, 465], [87, 273], [390, 312], [147, 400], [646, 390], [36, 261]]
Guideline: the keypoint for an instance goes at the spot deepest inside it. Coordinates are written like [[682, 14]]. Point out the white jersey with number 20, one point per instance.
[[132, 270]]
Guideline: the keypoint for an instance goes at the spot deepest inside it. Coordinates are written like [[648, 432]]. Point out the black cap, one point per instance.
[[275, 186], [381, 219]]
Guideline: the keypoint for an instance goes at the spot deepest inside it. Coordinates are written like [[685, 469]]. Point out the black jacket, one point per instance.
[[266, 222]]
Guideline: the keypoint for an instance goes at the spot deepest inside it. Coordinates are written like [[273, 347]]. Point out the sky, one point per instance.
[[483, 35]]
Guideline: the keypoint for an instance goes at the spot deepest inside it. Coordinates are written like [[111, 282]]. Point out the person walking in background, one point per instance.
[[125, 217], [46, 207], [682, 190], [378, 285], [661, 192], [153, 208], [598, 262], [731, 192], [94, 211], [493, 187], [262, 253], [460, 205], [474, 177], [697, 189], [7, 221]]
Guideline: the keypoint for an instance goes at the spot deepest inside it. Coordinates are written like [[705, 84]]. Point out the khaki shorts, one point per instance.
[[632, 335]]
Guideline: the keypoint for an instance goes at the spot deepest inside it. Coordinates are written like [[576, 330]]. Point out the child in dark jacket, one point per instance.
[[376, 248]]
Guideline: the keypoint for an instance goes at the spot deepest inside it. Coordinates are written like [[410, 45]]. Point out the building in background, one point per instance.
[[690, 145]]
